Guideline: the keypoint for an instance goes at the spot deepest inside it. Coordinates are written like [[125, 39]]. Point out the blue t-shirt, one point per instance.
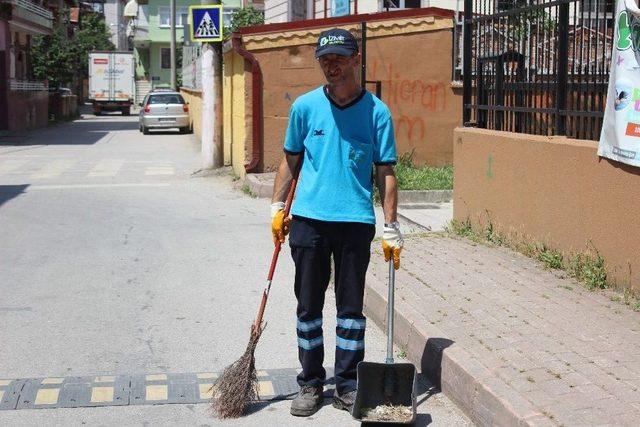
[[340, 145]]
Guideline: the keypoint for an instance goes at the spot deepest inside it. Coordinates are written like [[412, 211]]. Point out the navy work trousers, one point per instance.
[[312, 244]]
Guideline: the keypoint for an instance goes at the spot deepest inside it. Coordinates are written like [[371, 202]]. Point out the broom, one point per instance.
[[238, 383]]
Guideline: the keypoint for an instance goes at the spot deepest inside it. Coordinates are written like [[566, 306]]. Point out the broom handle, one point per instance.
[[276, 252]]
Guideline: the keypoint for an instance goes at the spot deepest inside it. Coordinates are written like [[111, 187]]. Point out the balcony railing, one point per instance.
[[28, 85], [32, 12]]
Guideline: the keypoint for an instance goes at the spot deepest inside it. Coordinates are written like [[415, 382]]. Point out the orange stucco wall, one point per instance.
[[553, 190], [415, 71]]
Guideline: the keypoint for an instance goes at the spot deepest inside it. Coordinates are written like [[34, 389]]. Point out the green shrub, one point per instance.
[[411, 177]]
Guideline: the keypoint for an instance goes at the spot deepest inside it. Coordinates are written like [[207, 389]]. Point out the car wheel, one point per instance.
[[145, 130], [97, 112], [125, 111]]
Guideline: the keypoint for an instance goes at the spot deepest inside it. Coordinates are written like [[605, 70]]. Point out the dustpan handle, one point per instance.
[[392, 283]]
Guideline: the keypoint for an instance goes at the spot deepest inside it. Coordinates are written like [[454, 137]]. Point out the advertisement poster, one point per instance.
[[620, 136]]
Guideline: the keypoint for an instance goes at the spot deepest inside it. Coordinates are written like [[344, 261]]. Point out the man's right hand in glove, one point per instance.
[[279, 223]]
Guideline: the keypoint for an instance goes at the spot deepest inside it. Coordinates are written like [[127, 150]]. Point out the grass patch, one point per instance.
[[247, 190], [411, 177], [491, 235], [462, 229], [551, 258], [588, 268]]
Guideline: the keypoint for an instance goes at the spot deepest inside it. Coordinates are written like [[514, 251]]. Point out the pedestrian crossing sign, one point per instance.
[[206, 23]]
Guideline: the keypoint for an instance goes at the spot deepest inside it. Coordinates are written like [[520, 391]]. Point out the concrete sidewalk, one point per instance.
[[510, 342]]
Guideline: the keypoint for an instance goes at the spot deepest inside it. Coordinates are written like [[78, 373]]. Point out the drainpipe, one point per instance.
[[256, 101]]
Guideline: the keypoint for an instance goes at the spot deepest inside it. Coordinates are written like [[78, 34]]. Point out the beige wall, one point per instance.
[[236, 112], [415, 70], [554, 190], [194, 98]]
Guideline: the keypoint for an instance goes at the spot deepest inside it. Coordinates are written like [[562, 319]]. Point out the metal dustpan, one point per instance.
[[386, 391]]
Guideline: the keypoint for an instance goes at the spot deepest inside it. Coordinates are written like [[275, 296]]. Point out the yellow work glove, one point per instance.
[[392, 243], [279, 223]]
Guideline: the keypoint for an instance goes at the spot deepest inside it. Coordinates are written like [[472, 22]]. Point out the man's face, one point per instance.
[[337, 68]]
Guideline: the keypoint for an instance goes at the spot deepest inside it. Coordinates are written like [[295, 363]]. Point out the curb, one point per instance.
[[481, 395], [261, 184], [424, 196]]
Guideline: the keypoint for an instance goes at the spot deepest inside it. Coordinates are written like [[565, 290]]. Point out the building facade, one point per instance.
[[23, 100], [114, 18], [277, 11], [151, 36]]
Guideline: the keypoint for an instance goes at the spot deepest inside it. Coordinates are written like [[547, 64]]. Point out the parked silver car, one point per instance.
[[164, 110]]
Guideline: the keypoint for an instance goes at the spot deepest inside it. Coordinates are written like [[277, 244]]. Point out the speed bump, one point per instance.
[[122, 390]]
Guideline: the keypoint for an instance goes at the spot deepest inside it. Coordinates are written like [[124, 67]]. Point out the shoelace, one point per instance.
[[307, 389]]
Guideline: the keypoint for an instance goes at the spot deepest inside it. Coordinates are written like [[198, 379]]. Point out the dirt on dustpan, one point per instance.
[[397, 413]]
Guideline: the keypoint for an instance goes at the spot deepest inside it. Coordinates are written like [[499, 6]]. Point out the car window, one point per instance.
[[166, 99]]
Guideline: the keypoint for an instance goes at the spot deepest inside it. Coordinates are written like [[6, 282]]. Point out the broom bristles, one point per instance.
[[237, 386]]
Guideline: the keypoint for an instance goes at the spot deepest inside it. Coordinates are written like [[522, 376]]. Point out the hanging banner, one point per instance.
[[620, 136]]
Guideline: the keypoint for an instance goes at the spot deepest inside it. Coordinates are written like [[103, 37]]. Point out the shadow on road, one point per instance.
[[8, 192], [78, 132]]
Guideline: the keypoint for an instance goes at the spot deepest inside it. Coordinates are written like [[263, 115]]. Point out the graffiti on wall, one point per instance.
[[415, 96]]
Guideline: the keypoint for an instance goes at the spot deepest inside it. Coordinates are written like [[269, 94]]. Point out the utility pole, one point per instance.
[[217, 94], [211, 62], [172, 19]]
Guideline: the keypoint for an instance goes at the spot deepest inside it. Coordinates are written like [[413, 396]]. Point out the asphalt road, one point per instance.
[[118, 261]]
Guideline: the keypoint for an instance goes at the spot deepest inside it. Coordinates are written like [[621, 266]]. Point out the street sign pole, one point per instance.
[[172, 18], [204, 30], [217, 95], [208, 108]]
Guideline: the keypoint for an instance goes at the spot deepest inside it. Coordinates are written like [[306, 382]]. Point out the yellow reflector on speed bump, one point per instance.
[[265, 388], [157, 392], [47, 396], [52, 381], [206, 392], [101, 394]]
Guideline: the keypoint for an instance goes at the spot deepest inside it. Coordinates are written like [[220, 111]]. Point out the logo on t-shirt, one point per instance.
[[318, 132]]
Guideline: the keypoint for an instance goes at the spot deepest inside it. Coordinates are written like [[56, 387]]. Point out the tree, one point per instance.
[[52, 57], [92, 35], [245, 17], [60, 57]]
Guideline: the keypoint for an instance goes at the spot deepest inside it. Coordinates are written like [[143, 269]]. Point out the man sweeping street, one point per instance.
[[337, 132]]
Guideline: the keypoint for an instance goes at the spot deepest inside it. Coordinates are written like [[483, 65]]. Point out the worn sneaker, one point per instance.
[[307, 402], [345, 400]]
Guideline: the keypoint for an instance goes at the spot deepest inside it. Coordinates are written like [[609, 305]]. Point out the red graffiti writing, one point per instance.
[[398, 90], [412, 127]]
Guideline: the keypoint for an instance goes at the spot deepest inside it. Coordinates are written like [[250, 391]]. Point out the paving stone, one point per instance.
[[575, 379], [555, 387], [544, 336]]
